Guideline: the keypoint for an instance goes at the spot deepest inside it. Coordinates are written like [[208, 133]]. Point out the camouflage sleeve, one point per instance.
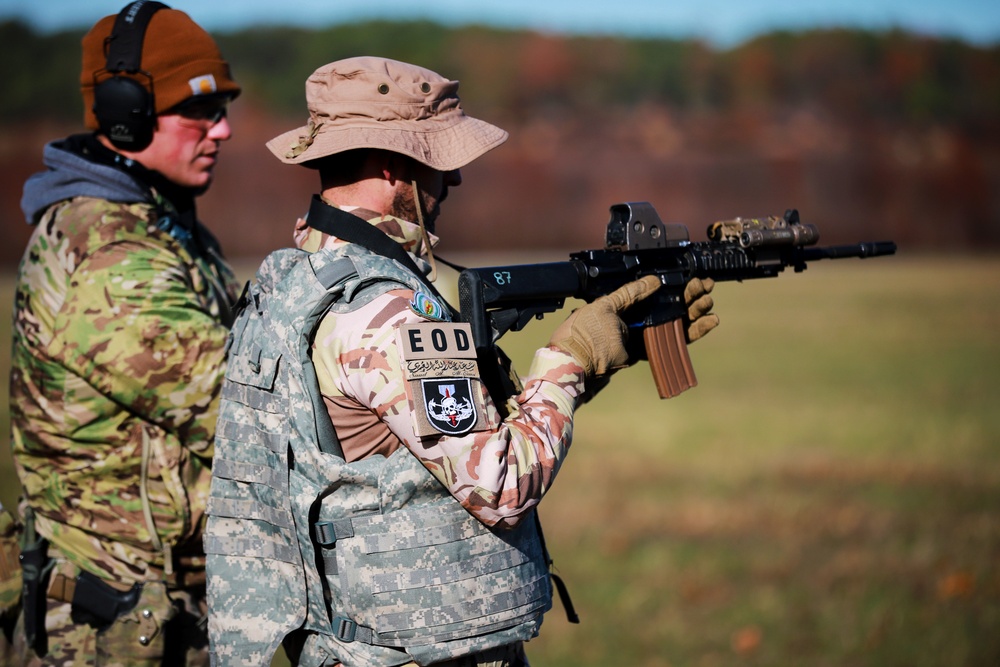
[[498, 472], [133, 327]]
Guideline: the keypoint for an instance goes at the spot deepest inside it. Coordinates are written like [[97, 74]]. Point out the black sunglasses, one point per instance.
[[211, 109]]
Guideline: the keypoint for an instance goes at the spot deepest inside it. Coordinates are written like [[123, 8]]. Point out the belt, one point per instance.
[[62, 587]]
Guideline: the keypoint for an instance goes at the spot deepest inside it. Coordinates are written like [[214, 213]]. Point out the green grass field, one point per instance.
[[828, 495]]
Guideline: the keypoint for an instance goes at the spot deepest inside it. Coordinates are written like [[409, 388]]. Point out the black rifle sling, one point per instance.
[[347, 227]]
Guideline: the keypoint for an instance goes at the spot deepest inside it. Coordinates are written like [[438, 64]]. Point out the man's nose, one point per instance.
[[221, 131]]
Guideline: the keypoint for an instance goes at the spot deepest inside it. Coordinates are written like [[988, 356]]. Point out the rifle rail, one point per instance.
[[495, 300]]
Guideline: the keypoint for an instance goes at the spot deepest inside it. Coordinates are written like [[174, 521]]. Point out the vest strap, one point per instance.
[[326, 533], [330, 562], [330, 274], [348, 631], [567, 603]]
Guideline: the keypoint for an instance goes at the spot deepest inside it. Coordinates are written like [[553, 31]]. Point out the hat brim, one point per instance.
[[445, 149]]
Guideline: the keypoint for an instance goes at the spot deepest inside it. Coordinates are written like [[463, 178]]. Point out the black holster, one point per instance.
[[35, 570], [98, 604]]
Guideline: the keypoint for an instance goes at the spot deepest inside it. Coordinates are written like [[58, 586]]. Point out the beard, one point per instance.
[[404, 206]]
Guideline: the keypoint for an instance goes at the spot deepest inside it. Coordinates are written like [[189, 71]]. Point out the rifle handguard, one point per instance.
[[666, 349], [499, 299]]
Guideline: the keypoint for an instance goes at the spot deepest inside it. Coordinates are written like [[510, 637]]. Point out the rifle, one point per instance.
[[498, 299]]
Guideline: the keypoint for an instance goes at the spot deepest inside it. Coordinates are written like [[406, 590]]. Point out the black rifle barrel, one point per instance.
[[862, 250]]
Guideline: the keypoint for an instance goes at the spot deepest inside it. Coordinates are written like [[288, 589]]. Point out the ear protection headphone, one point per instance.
[[124, 108]]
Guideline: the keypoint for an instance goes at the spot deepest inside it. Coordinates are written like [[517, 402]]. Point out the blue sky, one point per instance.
[[722, 22]]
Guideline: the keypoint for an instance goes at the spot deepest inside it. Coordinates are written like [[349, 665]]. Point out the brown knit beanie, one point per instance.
[[182, 58]]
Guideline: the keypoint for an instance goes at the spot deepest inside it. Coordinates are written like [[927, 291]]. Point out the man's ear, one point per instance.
[[394, 167]]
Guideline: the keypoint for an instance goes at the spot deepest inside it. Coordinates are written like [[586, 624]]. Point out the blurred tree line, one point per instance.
[[870, 134], [889, 76]]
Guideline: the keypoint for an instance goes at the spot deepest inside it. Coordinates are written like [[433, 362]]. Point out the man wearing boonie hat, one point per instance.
[[121, 315], [377, 501]]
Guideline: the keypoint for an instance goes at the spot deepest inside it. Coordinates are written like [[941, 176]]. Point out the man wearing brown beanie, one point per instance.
[[122, 310]]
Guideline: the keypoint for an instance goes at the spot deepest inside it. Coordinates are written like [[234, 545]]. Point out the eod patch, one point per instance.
[[448, 405], [442, 378]]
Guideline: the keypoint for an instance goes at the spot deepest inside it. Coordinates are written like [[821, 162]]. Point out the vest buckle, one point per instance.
[[345, 629]]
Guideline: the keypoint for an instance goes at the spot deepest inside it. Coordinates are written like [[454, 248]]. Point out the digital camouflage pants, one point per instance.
[[165, 628]]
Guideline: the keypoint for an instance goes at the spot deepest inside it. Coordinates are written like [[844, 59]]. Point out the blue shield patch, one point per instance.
[[427, 306]]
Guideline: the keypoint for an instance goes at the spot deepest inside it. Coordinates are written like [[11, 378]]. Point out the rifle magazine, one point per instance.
[[666, 348]]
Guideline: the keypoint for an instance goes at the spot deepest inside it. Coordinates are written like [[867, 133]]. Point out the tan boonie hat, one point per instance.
[[370, 102]]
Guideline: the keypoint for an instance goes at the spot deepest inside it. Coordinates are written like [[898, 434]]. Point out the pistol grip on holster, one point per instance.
[[98, 604], [666, 349]]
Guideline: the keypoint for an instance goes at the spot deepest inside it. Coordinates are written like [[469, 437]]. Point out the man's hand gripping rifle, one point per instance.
[[495, 300]]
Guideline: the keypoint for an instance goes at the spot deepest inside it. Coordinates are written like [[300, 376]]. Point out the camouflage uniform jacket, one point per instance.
[[501, 468], [390, 585], [121, 315]]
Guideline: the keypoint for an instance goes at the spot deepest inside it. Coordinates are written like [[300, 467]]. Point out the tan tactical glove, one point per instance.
[[595, 335], [699, 303]]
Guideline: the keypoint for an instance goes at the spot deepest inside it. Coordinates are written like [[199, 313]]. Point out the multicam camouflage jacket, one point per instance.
[[120, 321]]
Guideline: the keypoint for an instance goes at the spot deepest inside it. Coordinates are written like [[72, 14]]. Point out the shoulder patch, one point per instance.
[[427, 306], [448, 405], [442, 378]]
